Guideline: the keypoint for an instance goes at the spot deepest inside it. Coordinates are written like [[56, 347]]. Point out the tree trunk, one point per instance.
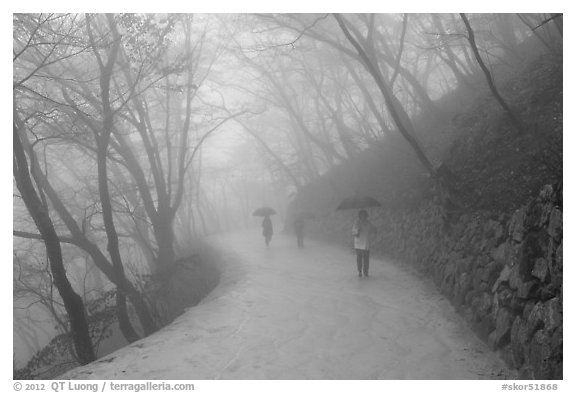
[[452, 60], [164, 234], [488, 76], [389, 58], [72, 301], [112, 236], [102, 140], [80, 240], [441, 177], [123, 319]]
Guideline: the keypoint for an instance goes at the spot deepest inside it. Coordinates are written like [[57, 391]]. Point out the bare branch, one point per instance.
[[37, 236]]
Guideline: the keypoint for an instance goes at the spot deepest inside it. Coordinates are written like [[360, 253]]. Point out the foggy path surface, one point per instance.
[[289, 313]]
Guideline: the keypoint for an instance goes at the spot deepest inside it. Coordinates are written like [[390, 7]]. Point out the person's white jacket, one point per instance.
[[363, 232]]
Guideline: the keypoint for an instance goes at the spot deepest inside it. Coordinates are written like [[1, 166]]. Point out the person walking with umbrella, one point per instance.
[[363, 231], [267, 228]]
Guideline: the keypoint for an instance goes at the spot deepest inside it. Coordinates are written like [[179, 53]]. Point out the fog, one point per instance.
[[137, 135]]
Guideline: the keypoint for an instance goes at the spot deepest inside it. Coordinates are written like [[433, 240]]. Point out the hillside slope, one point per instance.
[[503, 167], [494, 166]]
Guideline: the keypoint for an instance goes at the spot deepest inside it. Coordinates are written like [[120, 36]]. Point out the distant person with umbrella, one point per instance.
[[267, 228], [363, 230]]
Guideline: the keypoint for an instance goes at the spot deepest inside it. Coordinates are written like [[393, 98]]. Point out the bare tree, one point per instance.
[[102, 138], [35, 38], [55, 111], [73, 303], [160, 114], [472, 40], [391, 102]]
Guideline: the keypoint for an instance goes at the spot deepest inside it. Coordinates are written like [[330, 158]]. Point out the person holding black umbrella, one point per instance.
[[363, 231]]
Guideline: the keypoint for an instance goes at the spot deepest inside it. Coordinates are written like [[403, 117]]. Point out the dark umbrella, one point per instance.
[[358, 202], [264, 211]]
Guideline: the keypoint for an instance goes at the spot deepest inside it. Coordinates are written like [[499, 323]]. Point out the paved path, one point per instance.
[[288, 313]]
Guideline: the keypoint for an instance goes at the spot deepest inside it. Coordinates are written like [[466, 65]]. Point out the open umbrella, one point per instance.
[[264, 211], [358, 202]]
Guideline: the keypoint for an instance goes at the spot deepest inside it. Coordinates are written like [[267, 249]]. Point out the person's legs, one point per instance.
[[300, 238], [366, 262], [359, 261]]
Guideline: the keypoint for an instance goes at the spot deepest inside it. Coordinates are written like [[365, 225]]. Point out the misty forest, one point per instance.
[[189, 191]]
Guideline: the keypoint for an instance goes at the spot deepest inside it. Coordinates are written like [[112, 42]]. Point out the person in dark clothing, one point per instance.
[[299, 231], [267, 230], [363, 232]]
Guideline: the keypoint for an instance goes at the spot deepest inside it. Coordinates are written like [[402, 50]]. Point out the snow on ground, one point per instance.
[[289, 313]]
